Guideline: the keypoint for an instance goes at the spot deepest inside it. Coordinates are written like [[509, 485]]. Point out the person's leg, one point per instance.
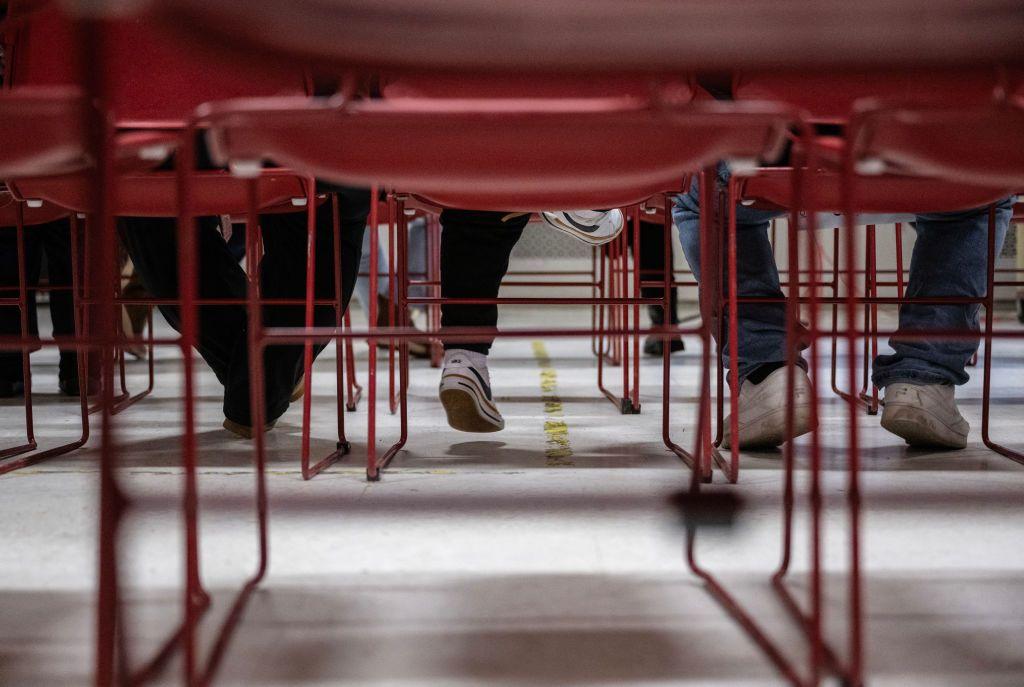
[[652, 266], [56, 242], [153, 246], [283, 274], [761, 327], [950, 259], [11, 370], [475, 251], [417, 254], [362, 288]]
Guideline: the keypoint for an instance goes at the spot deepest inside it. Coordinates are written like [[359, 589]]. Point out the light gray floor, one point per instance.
[[478, 561]]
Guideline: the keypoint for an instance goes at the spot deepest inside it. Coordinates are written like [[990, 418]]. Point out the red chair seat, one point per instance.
[[979, 145], [41, 131], [453, 86], [31, 216], [875, 194], [155, 194], [506, 154], [611, 36]]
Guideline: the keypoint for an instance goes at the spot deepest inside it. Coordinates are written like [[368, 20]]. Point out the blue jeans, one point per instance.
[[417, 252], [950, 258]]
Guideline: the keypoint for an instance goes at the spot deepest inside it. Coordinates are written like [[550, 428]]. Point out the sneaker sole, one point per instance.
[[556, 223], [769, 430], [920, 428], [464, 412]]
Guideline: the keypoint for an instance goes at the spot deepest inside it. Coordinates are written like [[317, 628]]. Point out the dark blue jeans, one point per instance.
[[950, 258]]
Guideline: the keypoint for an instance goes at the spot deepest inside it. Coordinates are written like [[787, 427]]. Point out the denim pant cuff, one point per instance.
[[918, 377], [746, 368]]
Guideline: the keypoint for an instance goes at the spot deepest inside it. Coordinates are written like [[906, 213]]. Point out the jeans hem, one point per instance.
[[911, 377]]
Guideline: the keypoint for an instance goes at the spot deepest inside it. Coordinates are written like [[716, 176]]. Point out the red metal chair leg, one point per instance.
[[986, 402], [354, 390]]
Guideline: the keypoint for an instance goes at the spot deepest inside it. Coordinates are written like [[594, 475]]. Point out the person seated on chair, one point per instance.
[[475, 251], [950, 258], [223, 329]]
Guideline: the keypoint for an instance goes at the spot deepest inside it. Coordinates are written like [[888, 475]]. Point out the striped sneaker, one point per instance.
[[593, 227], [465, 393]]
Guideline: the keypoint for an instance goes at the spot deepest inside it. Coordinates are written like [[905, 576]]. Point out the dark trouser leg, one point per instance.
[[153, 246], [56, 242], [223, 342], [10, 316], [284, 276], [652, 266], [475, 250]]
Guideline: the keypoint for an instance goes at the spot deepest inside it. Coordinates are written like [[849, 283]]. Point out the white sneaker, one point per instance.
[[924, 415], [465, 393], [762, 409], [593, 227]]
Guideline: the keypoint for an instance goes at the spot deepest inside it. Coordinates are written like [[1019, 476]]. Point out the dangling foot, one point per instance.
[[465, 393], [593, 227]]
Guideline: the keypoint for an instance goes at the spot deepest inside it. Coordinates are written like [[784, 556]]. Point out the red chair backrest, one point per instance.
[[151, 76]]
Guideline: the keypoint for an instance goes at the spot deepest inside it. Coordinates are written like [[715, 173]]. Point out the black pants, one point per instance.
[[475, 249], [53, 240], [223, 338], [652, 264]]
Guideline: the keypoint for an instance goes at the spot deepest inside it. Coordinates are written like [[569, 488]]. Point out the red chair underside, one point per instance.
[[611, 36], [150, 75], [155, 194], [831, 95], [509, 155], [977, 145], [875, 194], [521, 85], [41, 132], [30, 216]]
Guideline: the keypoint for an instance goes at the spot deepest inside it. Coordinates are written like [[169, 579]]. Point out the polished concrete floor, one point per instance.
[[527, 557]]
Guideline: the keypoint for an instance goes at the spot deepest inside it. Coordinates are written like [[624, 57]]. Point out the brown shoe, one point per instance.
[[245, 431], [299, 390], [134, 317]]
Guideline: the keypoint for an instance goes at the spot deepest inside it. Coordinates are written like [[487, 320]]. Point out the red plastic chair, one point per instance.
[[824, 178], [608, 36]]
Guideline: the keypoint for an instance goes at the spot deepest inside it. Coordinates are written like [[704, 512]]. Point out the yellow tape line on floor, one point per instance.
[[556, 430]]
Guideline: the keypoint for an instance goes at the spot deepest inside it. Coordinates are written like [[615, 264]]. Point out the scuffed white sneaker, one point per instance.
[[762, 409], [465, 393], [924, 415], [593, 227]]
